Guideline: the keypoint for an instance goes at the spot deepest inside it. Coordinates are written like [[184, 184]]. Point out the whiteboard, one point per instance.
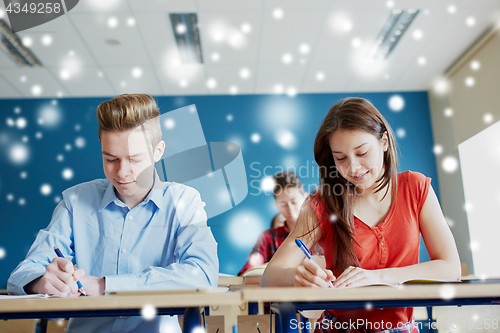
[[480, 164]]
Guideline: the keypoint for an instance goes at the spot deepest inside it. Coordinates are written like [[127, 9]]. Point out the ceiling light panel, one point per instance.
[[393, 30], [6, 61], [367, 75], [187, 37], [409, 48], [165, 57], [13, 46]]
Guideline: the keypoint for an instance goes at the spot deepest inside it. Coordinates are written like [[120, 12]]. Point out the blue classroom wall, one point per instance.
[[60, 137]]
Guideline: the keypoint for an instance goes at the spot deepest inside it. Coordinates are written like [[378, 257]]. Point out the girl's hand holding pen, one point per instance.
[[309, 274]]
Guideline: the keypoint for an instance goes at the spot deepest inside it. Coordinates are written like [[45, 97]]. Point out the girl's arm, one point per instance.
[[288, 266], [444, 264]]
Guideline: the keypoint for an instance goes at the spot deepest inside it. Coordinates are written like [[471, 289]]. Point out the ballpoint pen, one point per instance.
[[80, 287], [308, 255]]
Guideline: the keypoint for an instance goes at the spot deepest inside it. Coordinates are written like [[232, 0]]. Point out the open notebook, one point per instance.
[[409, 281], [2, 297]]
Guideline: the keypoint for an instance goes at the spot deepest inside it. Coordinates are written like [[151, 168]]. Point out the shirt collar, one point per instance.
[[155, 195], [108, 197]]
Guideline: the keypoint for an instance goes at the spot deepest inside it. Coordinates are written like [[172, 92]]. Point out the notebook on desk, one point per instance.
[[253, 275], [226, 280]]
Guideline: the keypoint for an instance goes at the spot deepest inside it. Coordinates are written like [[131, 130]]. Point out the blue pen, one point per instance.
[[80, 287], [308, 255]]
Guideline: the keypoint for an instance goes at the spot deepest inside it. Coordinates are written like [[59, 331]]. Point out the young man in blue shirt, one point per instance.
[[129, 231]]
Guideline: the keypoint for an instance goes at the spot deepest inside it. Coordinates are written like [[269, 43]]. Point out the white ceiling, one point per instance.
[[95, 68]]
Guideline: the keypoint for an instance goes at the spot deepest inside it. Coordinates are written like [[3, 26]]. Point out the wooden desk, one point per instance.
[[172, 302], [287, 300], [175, 302], [431, 294]]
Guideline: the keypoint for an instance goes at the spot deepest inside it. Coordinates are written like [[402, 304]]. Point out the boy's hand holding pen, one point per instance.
[[80, 287], [60, 279]]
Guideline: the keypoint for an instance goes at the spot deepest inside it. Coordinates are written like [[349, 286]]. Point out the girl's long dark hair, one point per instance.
[[335, 193]]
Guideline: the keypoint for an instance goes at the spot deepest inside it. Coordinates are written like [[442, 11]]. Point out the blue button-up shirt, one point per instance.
[[162, 243]]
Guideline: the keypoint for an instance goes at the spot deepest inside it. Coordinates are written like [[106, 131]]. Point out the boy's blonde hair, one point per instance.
[[128, 111]]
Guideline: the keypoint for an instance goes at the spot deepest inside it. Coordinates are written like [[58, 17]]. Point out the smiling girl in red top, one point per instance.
[[367, 218]]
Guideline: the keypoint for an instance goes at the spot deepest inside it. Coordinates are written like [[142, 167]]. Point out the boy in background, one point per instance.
[[129, 231], [289, 195]]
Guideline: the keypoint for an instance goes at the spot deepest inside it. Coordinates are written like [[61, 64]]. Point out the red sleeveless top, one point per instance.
[[395, 242]]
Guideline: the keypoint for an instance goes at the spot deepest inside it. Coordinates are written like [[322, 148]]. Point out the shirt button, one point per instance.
[[124, 250], [382, 243], [130, 217]]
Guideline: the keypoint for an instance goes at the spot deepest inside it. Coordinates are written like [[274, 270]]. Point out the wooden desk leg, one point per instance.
[[192, 320], [285, 316], [230, 314], [43, 325], [261, 308], [253, 308], [231, 319], [430, 320]]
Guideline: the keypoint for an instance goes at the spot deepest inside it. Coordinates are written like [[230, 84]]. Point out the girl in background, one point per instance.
[[367, 218]]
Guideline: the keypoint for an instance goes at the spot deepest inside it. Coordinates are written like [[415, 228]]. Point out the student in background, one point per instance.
[[367, 219], [289, 195], [129, 231]]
